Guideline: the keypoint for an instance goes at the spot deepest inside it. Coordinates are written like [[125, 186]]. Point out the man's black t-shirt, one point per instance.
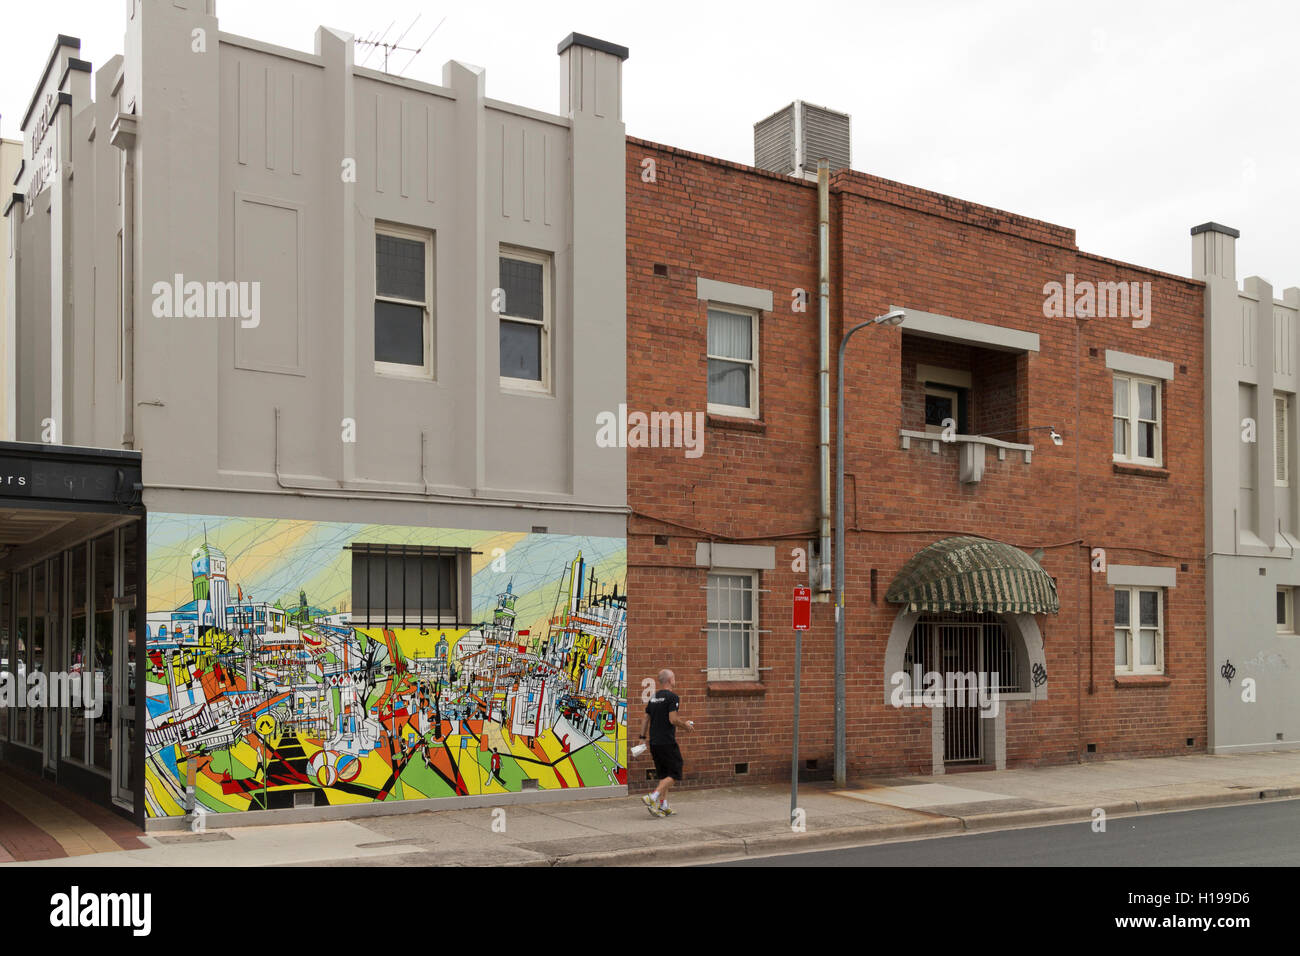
[[662, 730]]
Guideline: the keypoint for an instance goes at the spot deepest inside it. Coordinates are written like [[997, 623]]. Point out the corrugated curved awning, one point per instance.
[[974, 574]]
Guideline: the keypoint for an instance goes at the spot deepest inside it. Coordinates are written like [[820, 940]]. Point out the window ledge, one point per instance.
[[518, 387], [756, 425], [907, 436], [1141, 471], [736, 688], [1143, 680]]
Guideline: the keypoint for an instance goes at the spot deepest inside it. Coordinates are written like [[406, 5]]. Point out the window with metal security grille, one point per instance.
[[732, 611], [525, 319], [404, 301], [732, 352], [1139, 631], [966, 643], [1286, 610], [397, 585], [1281, 441], [1136, 420]]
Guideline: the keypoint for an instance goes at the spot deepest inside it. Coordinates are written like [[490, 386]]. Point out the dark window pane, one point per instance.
[[521, 350], [378, 588], [1121, 609], [102, 590], [1148, 612], [396, 587], [399, 267], [1281, 607], [439, 588], [1146, 440], [102, 726], [77, 662], [359, 597], [6, 610], [937, 408], [522, 283], [399, 333], [78, 582], [416, 600], [38, 666]]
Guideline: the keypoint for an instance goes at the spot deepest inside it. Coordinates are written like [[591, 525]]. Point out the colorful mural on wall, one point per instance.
[[465, 663]]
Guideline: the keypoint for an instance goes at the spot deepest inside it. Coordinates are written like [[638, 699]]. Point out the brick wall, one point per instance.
[[757, 481]]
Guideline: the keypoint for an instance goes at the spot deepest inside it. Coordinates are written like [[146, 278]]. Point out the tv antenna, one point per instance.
[[379, 41]]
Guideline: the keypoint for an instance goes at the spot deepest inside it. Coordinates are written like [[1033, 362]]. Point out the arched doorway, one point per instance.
[[980, 660], [965, 643]]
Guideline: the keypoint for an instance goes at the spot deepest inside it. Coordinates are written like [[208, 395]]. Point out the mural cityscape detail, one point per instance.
[[298, 663]]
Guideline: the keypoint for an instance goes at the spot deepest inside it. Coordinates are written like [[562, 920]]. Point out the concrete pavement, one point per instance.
[[728, 823]]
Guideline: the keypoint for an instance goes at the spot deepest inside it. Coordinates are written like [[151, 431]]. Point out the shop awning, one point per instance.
[[974, 574]]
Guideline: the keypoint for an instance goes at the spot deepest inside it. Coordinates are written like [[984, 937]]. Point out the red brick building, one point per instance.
[[723, 277]]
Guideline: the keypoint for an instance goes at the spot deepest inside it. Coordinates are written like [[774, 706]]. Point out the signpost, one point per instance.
[[801, 619]]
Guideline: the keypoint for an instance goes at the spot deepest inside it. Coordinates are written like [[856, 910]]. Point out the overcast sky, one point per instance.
[[1128, 121]]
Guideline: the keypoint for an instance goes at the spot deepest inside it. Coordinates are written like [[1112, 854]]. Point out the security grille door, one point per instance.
[[978, 646], [960, 648]]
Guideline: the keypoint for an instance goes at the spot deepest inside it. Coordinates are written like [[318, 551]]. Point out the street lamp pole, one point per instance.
[[841, 737]]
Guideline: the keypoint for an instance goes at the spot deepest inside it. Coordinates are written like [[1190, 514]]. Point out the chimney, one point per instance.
[[793, 139], [591, 78]]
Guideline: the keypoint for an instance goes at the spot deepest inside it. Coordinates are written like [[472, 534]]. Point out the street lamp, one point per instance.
[[894, 317]]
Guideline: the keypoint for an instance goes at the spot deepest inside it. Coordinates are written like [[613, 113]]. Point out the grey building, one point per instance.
[[1253, 501], [357, 329]]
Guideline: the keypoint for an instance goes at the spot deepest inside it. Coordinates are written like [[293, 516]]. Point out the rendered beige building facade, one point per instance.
[[359, 328], [11, 154], [1253, 508]]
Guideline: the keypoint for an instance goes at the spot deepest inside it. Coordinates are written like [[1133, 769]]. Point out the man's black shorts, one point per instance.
[[668, 760]]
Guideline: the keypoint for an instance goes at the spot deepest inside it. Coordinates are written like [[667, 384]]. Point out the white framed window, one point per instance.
[[404, 300], [733, 625], [1286, 610], [524, 311], [1136, 420], [1139, 631], [1281, 440], [732, 352], [946, 393]]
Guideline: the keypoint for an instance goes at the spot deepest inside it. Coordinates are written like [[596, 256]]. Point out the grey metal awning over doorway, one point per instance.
[[51, 495], [974, 574]]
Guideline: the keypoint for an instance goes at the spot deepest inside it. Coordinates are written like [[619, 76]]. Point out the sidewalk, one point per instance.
[[734, 822]]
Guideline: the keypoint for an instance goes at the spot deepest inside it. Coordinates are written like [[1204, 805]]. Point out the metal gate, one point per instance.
[[959, 653], [976, 645]]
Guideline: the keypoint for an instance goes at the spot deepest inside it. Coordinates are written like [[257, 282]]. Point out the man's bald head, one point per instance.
[[666, 678]]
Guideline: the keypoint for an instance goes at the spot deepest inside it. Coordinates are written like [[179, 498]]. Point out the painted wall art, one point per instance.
[[303, 663]]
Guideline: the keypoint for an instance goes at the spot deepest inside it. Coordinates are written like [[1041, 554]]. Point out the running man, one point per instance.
[[661, 723]]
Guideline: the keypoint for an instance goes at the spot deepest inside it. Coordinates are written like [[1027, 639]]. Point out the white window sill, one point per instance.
[[732, 411], [406, 373], [523, 386]]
